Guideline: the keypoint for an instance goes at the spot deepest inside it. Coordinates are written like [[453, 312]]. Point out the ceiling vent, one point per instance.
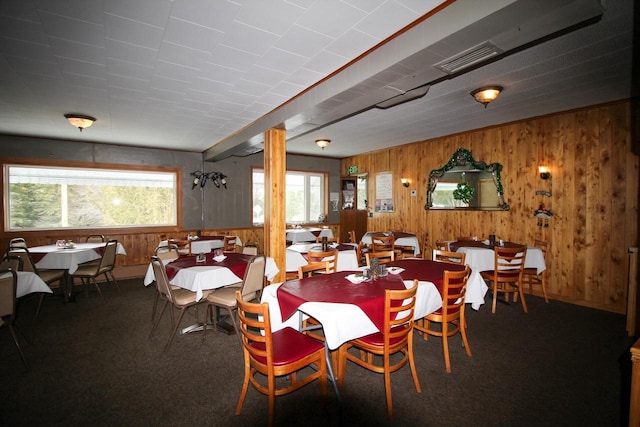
[[469, 57]]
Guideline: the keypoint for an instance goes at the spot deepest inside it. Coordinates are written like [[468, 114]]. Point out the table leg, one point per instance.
[[328, 358]]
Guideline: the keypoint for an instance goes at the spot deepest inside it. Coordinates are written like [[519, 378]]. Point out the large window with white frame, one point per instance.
[[305, 196], [44, 197]]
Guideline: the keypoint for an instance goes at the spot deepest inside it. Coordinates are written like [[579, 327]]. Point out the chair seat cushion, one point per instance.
[[183, 296], [289, 345], [223, 296], [377, 338], [49, 276]]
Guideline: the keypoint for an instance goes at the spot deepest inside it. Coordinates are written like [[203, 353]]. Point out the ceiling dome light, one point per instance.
[[487, 94], [80, 120], [323, 143]]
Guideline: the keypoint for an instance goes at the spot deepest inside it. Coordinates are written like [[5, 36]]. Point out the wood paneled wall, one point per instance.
[[594, 188]]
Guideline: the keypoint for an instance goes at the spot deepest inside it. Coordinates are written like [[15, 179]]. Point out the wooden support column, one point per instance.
[[275, 166]]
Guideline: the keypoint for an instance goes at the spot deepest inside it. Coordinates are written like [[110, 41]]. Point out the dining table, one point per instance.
[[204, 244], [29, 283], [480, 255], [349, 310], [296, 255], [68, 258], [54, 257], [307, 234], [402, 238], [214, 272]]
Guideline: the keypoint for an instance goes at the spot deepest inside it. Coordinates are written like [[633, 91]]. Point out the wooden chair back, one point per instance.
[[330, 257], [96, 238], [352, 236], [229, 243], [183, 245], [312, 268], [383, 243], [383, 257], [448, 256]]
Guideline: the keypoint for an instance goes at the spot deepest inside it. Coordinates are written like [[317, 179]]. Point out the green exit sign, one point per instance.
[[353, 169]]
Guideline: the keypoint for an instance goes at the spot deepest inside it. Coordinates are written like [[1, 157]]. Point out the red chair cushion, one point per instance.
[[289, 346], [377, 338]]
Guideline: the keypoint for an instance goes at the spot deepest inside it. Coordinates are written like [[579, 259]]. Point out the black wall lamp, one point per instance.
[[544, 172], [200, 178]]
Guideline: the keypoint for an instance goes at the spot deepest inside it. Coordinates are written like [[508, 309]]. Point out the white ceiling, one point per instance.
[[206, 76]]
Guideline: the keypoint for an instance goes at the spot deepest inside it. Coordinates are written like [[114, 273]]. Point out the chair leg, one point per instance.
[[245, 385], [232, 314], [155, 307], [495, 296], [40, 301], [543, 282], [95, 282], [445, 346], [175, 328], [524, 303], [15, 340], [387, 384], [157, 322]]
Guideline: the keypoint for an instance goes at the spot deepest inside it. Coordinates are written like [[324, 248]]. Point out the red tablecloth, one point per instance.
[[425, 270], [334, 287], [235, 262], [396, 234], [454, 246]]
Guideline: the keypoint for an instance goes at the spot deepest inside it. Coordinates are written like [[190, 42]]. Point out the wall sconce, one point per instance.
[[544, 172], [200, 178], [405, 182], [323, 143], [487, 94], [79, 120]]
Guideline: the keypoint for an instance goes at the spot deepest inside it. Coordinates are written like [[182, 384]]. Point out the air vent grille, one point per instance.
[[468, 58]]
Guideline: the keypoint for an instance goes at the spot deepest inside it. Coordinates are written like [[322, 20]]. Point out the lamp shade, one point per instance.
[[80, 121], [323, 143], [487, 94]]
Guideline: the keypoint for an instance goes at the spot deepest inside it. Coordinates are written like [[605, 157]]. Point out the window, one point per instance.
[[50, 197], [305, 192]]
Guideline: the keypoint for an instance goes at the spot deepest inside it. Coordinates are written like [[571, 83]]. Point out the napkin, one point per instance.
[[219, 258], [355, 278], [395, 270]]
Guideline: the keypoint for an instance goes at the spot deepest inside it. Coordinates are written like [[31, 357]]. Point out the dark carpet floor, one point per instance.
[[92, 364]]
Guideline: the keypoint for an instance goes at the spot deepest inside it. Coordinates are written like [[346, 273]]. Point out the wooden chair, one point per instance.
[[383, 257], [183, 245], [229, 243], [383, 243], [352, 236], [8, 289], [181, 299], [308, 270], [395, 338], [506, 277], [531, 277], [329, 239], [250, 288], [18, 242], [451, 315], [275, 355], [88, 273], [448, 256], [441, 245], [330, 257]]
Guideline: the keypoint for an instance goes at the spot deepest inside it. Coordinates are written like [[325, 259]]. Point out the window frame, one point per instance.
[[59, 231], [325, 195]]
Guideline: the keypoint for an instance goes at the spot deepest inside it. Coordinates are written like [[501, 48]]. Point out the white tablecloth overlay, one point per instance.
[[344, 322], [69, 259], [200, 278], [482, 259], [295, 235], [400, 241], [347, 260], [28, 283]]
